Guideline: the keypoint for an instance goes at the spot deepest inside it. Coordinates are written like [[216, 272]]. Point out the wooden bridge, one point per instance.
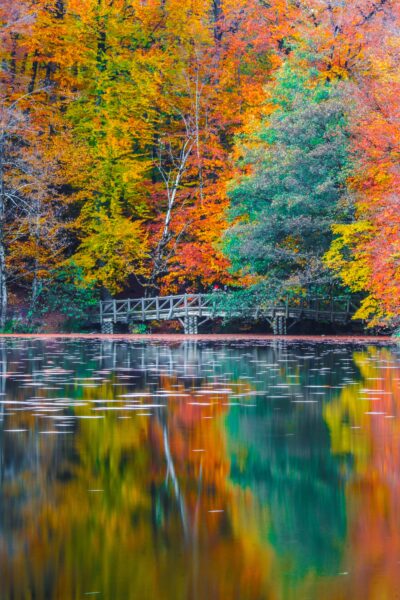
[[193, 310]]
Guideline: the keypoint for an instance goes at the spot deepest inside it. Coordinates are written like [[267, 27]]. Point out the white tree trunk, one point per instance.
[[172, 177], [3, 287], [3, 272]]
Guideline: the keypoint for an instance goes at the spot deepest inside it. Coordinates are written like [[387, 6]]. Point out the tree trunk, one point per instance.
[[172, 180], [3, 272], [36, 282], [217, 10], [3, 287]]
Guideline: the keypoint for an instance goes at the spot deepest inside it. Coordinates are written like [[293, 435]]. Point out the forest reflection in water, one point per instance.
[[223, 471]]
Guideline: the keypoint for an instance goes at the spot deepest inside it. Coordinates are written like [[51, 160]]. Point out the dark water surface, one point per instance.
[[215, 471]]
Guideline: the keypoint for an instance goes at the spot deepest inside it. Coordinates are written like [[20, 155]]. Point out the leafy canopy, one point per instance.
[[291, 187]]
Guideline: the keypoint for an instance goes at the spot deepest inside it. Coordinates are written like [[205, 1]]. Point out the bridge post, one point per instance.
[[279, 325], [283, 326], [143, 309], [191, 325], [107, 326], [275, 325], [195, 325]]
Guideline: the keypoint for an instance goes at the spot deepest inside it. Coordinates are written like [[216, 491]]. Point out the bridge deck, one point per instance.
[[212, 306]]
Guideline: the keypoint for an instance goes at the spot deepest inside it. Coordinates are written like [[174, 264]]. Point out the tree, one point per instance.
[[366, 253], [292, 183], [27, 169], [111, 123], [218, 56]]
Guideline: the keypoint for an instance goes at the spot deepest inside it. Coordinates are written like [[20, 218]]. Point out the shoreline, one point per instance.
[[179, 337]]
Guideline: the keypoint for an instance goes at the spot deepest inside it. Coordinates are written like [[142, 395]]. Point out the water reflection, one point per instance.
[[197, 471]]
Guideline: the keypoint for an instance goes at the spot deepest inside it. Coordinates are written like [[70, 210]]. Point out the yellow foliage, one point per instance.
[[114, 249], [348, 257]]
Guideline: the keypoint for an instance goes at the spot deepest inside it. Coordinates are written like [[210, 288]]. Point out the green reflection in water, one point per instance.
[[286, 462]]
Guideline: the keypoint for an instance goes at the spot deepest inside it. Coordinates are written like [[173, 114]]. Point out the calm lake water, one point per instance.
[[197, 471]]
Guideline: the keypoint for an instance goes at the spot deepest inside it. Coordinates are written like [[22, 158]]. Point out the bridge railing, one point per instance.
[[157, 306], [260, 305], [220, 304]]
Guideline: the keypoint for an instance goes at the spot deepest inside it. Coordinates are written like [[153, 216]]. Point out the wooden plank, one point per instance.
[[108, 306], [164, 302], [136, 305], [171, 307], [121, 308], [149, 303]]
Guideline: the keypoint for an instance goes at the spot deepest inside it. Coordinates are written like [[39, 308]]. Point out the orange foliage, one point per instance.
[[113, 91], [374, 240]]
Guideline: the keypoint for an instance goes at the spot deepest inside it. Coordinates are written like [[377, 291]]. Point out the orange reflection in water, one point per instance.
[[365, 422], [130, 508]]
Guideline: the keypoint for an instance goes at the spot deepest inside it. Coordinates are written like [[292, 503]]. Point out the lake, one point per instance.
[[245, 470]]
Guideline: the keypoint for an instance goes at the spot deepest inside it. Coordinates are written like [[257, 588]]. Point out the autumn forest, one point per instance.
[[152, 147]]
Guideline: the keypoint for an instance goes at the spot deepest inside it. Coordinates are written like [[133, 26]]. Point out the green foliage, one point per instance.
[[20, 325], [243, 303], [70, 295], [138, 328], [292, 189]]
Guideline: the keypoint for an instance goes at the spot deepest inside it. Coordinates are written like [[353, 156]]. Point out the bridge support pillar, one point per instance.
[[107, 326], [279, 325], [191, 325]]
